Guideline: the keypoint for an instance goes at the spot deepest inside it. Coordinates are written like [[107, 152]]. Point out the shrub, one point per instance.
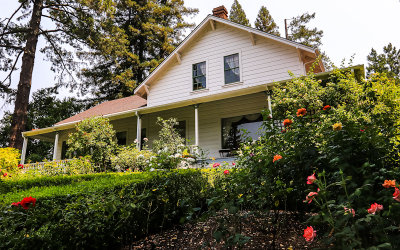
[[95, 137], [9, 159], [170, 148], [102, 213], [345, 131], [129, 157]]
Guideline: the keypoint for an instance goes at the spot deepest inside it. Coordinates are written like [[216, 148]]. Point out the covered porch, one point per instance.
[[206, 124]]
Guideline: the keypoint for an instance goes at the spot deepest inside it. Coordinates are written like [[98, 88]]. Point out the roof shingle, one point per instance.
[[109, 107]]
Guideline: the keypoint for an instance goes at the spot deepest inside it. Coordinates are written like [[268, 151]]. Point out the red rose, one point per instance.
[[20, 166], [326, 107], [287, 122], [216, 165], [5, 174], [375, 208], [301, 112], [16, 204], [226, 172], [309, 234], [27, 201], [277, 158], [311, 196], [311, 179], [396, 194]]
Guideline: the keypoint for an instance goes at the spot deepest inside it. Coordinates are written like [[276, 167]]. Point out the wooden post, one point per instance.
[[196, 125], [55, 147], [138, 131], [24, 146]]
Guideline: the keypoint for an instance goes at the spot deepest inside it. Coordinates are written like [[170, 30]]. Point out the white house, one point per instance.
[[215, 83]]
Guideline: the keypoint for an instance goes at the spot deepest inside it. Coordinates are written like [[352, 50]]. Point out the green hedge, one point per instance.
[[12, 185], [107, 212]]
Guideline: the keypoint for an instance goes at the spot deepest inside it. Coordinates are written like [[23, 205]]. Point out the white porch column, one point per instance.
[[23, 153], [138, 131], [55, 147], [196, 124], [269, 93]]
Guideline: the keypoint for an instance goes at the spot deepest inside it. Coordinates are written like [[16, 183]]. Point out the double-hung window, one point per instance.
[[199, 76], [231, 68]]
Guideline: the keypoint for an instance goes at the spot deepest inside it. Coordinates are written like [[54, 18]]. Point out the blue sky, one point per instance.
[[350, 27]]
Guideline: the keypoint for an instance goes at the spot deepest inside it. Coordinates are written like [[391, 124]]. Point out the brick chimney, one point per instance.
[[220, 12]]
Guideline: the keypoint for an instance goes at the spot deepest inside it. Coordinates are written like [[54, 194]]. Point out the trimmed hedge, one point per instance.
[[107, 212]]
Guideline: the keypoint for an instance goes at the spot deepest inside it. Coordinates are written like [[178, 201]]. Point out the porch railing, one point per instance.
[[60, 165]]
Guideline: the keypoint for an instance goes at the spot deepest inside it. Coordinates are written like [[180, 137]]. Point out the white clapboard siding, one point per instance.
[[265, 62]]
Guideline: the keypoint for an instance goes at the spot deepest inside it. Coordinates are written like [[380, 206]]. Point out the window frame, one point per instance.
[[193, 77], [239, 53]]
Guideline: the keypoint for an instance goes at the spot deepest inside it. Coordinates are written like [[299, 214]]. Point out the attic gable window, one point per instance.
[[231, 67], [199, 76]]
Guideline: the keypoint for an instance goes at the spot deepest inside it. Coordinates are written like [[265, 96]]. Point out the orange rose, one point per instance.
[[287, 122], [277, 158], [301, 112], [389, 183]]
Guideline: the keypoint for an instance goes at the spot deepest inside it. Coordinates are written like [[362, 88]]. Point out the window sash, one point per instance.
[[231, 68], [199, 79]]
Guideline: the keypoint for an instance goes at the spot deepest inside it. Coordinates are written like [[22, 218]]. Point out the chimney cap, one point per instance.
[[220, 12]]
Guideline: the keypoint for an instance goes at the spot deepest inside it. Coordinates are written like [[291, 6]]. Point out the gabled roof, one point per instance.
[[110, 107], [211, 19]]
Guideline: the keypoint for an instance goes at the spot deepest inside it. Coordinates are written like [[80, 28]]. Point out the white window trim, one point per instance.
[[191, 75], [240, 69]]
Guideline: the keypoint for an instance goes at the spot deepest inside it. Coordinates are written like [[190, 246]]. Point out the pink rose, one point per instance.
[[311, 179], [309, 234], [375, 208]]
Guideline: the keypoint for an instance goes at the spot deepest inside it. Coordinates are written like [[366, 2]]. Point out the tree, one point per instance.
[[152, 29], [56, 110], [299, 32], [76, 23], [388, 62], [265, 22], [95, 137], [237, 14]]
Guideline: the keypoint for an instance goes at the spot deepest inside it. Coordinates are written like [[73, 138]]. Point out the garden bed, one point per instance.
[[200, 235]]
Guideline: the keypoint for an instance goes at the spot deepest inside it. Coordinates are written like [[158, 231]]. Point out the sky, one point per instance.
[[351, 27]]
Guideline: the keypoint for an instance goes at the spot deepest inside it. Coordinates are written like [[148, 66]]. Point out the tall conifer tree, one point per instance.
[[237, 14], [299, 32], [152, 29], [265, 22]]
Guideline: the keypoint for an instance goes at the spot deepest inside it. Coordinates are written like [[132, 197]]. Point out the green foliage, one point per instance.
[[107, 212], [299, 32], [9, 159], [95, 137], [237, 14], [170, 148], [140, 35], [388, 62], [352, 146], [265, 22], [56, 110], [129, 157]]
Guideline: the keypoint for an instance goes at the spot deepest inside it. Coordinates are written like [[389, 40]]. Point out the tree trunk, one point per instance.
[[25, 80]]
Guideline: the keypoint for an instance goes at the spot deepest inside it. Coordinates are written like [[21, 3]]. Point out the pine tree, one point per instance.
[[152, 29], [388, 62], [265, 22], [238, 15], [72, 22], [299, 32]]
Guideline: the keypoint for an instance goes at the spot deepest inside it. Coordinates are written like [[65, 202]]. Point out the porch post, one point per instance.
[[138, 131], [55, 147], [196, 124], [269, 93], [23, 153]]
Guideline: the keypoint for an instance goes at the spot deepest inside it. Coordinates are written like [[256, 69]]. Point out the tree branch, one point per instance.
[[11, 47], [11, 71], [11, 17]]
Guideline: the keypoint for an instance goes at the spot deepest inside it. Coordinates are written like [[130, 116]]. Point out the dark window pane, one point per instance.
[[64, 149], [121, 138], [232, 75]]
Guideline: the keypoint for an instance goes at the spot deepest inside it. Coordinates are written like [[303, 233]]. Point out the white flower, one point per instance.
[[145, 139], [177, 155], [135, 141]]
